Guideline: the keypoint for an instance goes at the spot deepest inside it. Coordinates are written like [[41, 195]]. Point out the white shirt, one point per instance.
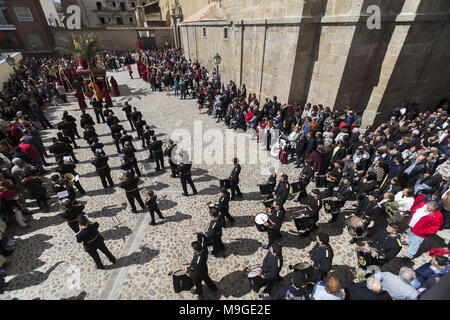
[[420, 213], [320, 293]]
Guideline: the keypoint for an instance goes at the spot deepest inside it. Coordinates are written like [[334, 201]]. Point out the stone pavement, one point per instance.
[[49, 264]]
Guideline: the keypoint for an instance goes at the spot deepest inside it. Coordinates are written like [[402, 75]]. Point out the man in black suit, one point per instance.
[[224, 206], [130, 184], [412, 170], [155, 149], [370, 290], [98, 106], [234, 179], [128, 112], [93, 241], [281, 192], [198, 270]]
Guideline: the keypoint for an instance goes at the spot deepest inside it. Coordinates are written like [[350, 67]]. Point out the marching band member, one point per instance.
[[153, 206]]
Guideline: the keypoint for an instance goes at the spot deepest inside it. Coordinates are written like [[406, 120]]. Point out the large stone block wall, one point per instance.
[[326, 53], [267, 50]]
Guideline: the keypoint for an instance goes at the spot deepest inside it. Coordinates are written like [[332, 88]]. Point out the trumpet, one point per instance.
[[123, 177]]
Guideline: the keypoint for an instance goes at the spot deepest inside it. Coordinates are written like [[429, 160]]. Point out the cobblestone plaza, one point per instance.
[[48, 263]]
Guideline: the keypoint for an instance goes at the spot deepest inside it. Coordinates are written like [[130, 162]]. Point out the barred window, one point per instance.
[[23, 14]]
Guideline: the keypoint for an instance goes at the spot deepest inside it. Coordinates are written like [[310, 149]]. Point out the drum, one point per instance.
[[321, 181], [181, 281], [365, 258], [305, 272], [330, 206], [252, 276], [212, 206], [259, 220], [265, 189], [268, 202], [225, 183], [356, 227], [304, 223]]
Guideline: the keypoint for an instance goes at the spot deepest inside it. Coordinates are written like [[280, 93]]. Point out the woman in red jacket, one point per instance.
[[424, 221]]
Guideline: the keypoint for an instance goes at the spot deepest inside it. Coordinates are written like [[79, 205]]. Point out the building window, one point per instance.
[[225, 33], [204, 32], [119, 20], [102, 20], [114, 4], [99, 5], [133, 5], [143, 3], [122, 6], [23, 14], [131, 19], [35, 40]]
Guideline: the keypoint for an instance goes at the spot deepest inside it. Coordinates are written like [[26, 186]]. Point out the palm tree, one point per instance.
[[85, 47]]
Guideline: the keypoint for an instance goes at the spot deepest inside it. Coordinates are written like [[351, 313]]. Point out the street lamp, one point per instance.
[[217, 59]]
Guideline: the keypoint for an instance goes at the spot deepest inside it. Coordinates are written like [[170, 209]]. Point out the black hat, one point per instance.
[[323, 237]]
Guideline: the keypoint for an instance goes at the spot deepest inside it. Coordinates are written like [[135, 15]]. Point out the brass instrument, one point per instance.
[[69, 179], [123, 177]]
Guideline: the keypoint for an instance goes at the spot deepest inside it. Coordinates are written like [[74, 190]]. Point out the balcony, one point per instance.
[[7, 27], [111, 9], [5, 24]]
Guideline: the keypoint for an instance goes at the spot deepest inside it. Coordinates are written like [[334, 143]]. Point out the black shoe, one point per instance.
[[162, 217], [195, 292], [352, 241], [101, 267], [195, 192], [113, 261], [185, 194], [266, 247], [134, 211], [153, 223], [172, 176]]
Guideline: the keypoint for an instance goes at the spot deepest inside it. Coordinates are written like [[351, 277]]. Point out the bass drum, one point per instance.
[[365, 258], [305, 272], [260, 219], [252, 276], [181, 281], [356, 227]]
